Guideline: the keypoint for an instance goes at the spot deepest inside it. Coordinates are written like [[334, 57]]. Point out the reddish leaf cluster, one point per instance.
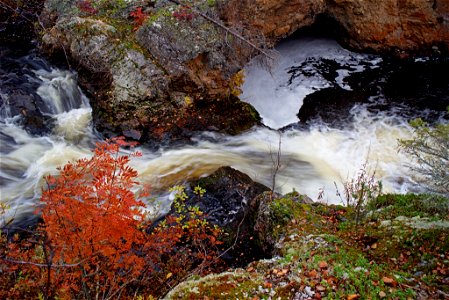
[[86, 6], [139, 17], [183, 14]]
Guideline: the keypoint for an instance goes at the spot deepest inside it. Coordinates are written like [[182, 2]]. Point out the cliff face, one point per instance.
[[390, 26], [400, 26], [174, 74]]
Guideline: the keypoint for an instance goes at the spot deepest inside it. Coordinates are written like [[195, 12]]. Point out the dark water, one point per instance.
[[408, 88]]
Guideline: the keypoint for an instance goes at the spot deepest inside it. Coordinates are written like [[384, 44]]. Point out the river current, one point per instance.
[[317, 156]]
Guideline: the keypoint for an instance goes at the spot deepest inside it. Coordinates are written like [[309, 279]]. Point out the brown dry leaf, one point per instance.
[[374, 246], [250, 269], [353, 297], [313, 273], [382, 294], [322, 264], [267, 285], [330, 280], [388, 280], [320, 288]]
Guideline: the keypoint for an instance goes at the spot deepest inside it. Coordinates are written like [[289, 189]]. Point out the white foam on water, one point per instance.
[[276, 98]]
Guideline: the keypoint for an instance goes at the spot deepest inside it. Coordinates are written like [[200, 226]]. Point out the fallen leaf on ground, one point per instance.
[[388, 280], [322, 264]]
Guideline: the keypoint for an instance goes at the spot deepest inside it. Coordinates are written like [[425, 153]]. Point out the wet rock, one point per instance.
[[231, 202], [18, 93], [414, 88], [173, 76]]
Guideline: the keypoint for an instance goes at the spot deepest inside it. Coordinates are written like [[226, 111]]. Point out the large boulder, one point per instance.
[[401, 26], [161, 81], [231, 201]]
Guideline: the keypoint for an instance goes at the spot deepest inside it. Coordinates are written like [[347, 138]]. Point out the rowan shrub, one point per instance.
[[94, 241]]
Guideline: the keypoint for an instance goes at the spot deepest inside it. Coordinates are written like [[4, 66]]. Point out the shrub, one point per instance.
[[430, 149], [362, 189], [93, 241]]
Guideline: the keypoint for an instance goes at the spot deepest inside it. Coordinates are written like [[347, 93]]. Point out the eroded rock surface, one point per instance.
[[392, 26], [231, 202]]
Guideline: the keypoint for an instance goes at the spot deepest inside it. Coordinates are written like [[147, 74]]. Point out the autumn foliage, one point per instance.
[[139, 17], [94, 242]]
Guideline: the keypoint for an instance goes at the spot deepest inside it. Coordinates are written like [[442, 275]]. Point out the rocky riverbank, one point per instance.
[[398, 250]]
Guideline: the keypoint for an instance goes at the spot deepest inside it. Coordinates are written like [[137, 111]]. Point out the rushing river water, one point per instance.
[[314, 157]]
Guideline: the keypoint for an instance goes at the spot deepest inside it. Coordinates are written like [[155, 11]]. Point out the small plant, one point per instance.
[[236, 83], [139, 17], [361, 190], [86, 6], [183, 14]]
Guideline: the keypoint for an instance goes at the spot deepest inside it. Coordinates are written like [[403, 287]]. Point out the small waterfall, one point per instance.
[[59, 90], [27, 158]]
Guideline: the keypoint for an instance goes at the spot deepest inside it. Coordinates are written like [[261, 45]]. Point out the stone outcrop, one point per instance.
[[400, 26], [159, 82]]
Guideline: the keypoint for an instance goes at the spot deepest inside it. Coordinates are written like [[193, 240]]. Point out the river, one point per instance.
[[317, 155]]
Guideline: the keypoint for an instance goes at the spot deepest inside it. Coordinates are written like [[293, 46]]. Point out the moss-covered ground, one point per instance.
[[400, 250]]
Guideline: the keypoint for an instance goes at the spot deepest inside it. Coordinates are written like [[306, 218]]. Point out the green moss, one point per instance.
[[409, 205], [252, 112]]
